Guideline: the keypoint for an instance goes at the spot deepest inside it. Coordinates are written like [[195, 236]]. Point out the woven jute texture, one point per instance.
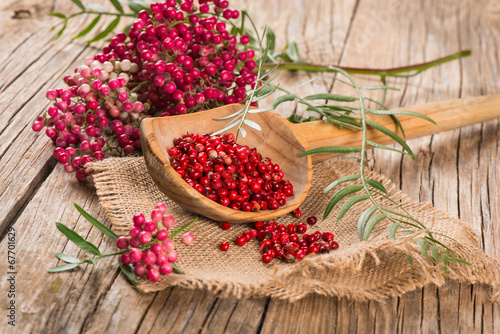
[[374, 269]]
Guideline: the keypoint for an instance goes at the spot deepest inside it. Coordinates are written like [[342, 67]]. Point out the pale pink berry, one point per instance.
[[157, 248], [162, 207], [162, 234], [135, 254], [166, 269], [168, 245], [156, 215], [134, 231], [167, 221], [172, 256], [149, 226], [162, 259], [125, 258], [139, 219], [134, 242], [122, 242], [187, 239], [144, 237], [139, 269], [148, 257], [153, 275]]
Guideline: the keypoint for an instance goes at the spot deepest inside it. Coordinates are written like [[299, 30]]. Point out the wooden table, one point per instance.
[[457, 171]]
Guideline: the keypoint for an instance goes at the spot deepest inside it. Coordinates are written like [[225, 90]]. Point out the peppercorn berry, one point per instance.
[[232, 175]]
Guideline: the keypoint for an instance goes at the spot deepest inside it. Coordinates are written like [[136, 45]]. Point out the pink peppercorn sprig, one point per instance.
[[180, 58], [149, 248]]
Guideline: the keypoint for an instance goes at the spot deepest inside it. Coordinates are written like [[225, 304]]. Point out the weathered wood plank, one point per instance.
[[457, 171]]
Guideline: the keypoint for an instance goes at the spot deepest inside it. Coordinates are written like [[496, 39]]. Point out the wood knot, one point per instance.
[[21, 14]]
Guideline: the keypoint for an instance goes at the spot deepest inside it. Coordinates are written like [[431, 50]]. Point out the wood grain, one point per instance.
[[457, 171]]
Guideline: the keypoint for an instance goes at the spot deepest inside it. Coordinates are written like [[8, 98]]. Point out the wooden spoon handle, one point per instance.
[[448, 115]]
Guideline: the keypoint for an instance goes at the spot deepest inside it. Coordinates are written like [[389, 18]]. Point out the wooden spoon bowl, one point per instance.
[[276, 141], [282, 141]]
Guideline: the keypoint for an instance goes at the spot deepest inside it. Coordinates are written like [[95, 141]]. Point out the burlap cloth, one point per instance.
[[373, 269]]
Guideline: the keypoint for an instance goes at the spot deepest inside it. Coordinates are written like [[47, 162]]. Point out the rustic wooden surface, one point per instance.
[[457, 171]]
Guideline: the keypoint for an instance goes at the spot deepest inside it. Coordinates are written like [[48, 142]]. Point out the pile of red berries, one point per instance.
[[283, 241], [149, 249], [230, 174], [179, 59]]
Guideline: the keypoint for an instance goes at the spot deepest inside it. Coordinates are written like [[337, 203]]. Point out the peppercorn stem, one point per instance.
[[387, 72]]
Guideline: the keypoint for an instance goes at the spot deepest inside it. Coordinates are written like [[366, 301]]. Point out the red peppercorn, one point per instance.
[[301, 228], [311, 220], [225, 226], [224, 246], [241, 241], [297, 212], [266, 258]]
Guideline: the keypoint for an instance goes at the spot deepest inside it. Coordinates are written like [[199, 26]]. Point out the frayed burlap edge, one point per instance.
[[301, 279]]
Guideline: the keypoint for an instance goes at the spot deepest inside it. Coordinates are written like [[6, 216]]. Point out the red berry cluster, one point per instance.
[[282, 241], [176, 60], [230, 174], [149, 250]]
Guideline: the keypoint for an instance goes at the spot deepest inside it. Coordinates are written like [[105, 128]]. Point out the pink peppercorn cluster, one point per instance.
[[230, 174], [149, 250], [283, 241], [178, 59]]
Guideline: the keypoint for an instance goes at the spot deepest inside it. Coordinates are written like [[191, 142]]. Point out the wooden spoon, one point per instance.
[[282, 141]]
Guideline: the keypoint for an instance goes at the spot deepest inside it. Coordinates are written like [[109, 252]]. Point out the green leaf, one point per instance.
[[96, 223], [185, 226], [331, 149], [128, 271], [96, 7], [282, 99], [391, 230], [63, 267], [384, 147], [296, 118], [177, 269], [459, 260], [137, 5], [422, 244], [89, 27], [293, 52], [243, 132], [341, 180], [117, 5], [445, 259], [391, 134], [67, 258], [79, 4], [78, 239], [259, 110], [349, 203], [106, 31], [363, 219], [62, 30], [331, 119], [339, 195], [252, 124], [332, 97], [435, 253], [371, 224], [376, 185], [59, 15], [270, 40], [262, 94], [400, 112], [410, 258]]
